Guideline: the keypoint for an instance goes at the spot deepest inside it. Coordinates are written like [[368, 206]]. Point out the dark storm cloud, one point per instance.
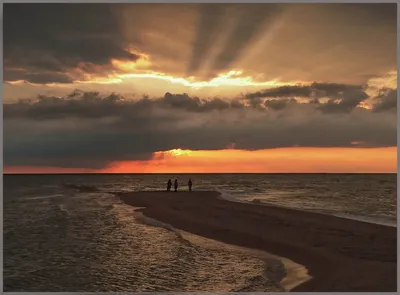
[[348, 102], [387, 100], [195, 104], [90, 130], [334, 89], [342, 97], [47, 40], [37, 78], [89, 105], [94, 149], [318, 89], [279, 104], [283, 91]]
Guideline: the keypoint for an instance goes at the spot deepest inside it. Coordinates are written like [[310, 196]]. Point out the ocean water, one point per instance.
[[57, 238]]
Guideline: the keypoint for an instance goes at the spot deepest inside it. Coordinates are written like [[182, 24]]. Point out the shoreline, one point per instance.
[[296, 274], [340, 254]]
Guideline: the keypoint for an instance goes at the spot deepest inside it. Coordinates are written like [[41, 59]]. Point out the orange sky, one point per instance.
[[284, 160]]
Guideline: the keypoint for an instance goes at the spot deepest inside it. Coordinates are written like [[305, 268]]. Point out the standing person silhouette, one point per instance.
[[169, 184], [176, 184], [190, 185]]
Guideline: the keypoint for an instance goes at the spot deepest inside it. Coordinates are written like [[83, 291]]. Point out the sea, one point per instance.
[[58, 238]]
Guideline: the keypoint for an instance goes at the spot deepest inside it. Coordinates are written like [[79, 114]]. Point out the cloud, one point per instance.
[[348, 101], [283, 91], [387, 100], [43, 43], [36, 78], [342, 97], [91, 130], [316, 89], [195, 104], [279, 104], [77, 39], [88, 105]]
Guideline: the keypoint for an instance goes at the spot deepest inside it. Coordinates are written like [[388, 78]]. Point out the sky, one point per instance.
[[206, 88]]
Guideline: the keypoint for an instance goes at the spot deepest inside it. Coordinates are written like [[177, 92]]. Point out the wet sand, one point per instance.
[[341, 255]]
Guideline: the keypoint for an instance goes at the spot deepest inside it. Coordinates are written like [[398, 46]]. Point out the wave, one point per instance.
[[226, 196], [81, 187], [63, 209], [45, 197], [141, 218]]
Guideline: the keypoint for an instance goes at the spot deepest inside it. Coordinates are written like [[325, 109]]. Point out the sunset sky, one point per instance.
[[126, 88]]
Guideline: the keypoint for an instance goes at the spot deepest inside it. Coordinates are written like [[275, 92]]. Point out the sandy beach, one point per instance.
[[341, 255]]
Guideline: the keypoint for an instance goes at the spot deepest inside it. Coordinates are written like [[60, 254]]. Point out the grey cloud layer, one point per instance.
[[318, 90], [387, 100], [90, 130], [342, 97]]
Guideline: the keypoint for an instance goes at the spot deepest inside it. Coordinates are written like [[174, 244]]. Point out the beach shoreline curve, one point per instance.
[[339, 254]]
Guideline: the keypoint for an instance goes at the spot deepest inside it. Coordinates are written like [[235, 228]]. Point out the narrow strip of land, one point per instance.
[[341, 255]]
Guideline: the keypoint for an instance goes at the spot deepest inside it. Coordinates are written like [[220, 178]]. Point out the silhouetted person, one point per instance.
[[190, 185], [169, 184], [176, 185]]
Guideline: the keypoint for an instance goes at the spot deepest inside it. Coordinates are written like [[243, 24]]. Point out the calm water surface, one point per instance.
[[60, 239]]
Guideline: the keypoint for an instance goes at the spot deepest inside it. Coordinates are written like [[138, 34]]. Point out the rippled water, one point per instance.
[[59, 239]]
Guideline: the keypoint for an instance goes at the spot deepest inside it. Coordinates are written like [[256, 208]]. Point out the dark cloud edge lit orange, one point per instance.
[[284, 160], [97, 109]]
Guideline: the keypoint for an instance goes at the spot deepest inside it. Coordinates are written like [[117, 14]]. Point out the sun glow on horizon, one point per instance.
[[281, 160], [179, 152]]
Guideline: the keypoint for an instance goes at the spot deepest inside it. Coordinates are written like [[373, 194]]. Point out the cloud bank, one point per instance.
[[91, 130]]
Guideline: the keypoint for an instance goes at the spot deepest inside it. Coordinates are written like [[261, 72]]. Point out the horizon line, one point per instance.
[[195, 173]]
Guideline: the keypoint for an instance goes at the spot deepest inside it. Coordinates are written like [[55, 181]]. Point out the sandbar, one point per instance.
[[341, 255]]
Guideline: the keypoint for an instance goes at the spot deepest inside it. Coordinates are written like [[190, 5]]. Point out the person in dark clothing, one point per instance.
[[190, 185], [169, 184], [176, 185]]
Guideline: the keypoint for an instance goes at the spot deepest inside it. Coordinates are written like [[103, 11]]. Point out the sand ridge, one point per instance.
[[340, 254]]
